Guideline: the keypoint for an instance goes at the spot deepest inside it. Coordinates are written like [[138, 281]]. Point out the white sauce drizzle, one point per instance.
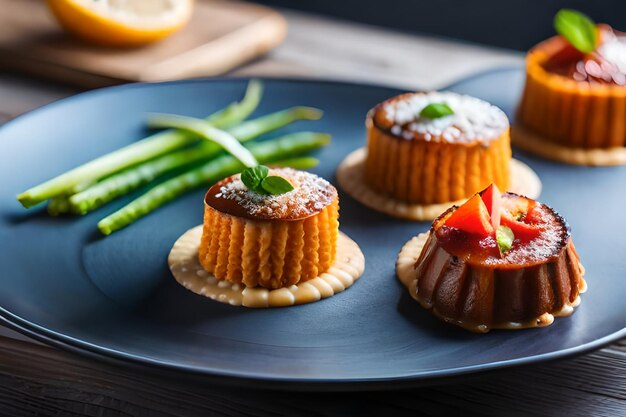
[[183, 262]]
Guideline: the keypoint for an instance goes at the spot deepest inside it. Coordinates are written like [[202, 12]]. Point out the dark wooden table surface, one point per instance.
[[39, 380]]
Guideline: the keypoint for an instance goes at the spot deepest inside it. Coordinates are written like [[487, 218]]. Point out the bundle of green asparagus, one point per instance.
[[191, 153]]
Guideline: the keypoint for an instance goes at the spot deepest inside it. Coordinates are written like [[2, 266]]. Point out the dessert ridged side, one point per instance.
[[570, 112], [429, 172], [270, 254], [480, 298]]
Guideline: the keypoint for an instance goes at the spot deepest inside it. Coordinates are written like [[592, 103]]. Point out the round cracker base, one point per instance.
[[526, 140], [405, 271], [185, 266], [350, 176]]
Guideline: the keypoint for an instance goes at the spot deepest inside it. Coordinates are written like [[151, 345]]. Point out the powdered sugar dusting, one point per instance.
[[613, 50], [553, 236], [310, 195], [473, 119]]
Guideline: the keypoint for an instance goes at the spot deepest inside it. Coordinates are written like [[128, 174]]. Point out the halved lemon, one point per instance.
[[122, 22]]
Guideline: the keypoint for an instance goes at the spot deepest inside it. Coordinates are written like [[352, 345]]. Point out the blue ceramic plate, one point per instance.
[[114, 297]]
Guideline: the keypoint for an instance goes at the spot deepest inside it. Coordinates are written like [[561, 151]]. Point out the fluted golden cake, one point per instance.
[[418, 160], [270, 241], [575, 101]]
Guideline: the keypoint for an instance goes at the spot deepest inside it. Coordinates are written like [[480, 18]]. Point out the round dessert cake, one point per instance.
[[273, 241], [463, 274], [417, 164], [421, 160], [263, 250], [574, 104]]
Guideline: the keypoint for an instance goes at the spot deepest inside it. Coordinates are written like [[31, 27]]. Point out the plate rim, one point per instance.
[[428, 377], [86, 349]]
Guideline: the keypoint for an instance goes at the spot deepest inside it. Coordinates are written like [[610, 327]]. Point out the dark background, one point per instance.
[[516, 24]]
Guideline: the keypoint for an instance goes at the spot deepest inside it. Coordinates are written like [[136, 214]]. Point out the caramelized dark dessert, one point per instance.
[[499, 261]]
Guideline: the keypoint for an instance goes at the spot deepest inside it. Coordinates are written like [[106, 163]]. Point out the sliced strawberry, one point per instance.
[[472, 217], [532, 215], [516, 207], [521, 209], [492, 197], [521, 230]]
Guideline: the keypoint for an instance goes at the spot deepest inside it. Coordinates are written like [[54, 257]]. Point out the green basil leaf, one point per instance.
[[252, 177], [577, 28], [276, 185], [436, 110], [504, 238]]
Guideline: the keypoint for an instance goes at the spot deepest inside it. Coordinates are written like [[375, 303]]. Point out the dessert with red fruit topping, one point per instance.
[[498, 261], [574, 99], [605, 65]]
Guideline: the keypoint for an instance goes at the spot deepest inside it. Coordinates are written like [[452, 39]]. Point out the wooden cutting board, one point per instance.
[[220, 36]]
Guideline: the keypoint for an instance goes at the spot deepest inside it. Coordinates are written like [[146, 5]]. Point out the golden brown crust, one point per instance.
[[271, 254], [568, 112], [422, 172]]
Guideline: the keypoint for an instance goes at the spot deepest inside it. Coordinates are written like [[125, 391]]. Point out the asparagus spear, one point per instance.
[[239, 111], [129, 180], [273, 121], [265, 152], [59, 205], [204, 129], [138, 152], [302, 162]]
